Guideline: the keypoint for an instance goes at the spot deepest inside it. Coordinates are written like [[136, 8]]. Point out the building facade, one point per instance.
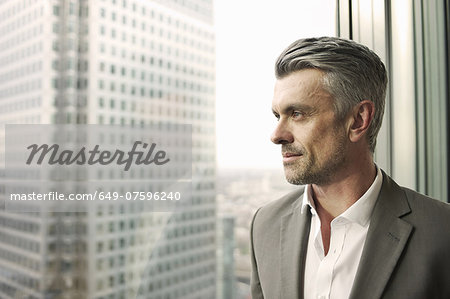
[[121, 63]]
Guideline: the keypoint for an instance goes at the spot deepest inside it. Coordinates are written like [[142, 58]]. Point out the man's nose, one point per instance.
[[282, 134]]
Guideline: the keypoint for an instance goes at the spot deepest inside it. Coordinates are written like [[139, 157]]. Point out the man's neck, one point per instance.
[[335, 198], [347, 187]]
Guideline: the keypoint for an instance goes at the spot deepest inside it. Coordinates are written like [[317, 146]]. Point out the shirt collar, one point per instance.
[[360, 211], [307, 200]]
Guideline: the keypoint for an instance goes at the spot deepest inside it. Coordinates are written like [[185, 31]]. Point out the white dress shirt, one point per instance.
[[332, 276]]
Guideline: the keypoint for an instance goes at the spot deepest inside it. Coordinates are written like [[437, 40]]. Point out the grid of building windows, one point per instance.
[[111, 62]]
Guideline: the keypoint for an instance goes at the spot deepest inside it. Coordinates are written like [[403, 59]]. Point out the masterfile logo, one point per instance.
[[149, 155], [116, 164], [156, 152]]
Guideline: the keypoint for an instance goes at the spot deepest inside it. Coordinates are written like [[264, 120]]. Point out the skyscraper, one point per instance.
[[111, 62]]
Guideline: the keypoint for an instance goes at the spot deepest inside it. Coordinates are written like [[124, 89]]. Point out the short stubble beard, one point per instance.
[[306, 171]]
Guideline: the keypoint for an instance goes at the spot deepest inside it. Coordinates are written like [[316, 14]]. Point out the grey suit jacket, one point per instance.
[[406, 253]]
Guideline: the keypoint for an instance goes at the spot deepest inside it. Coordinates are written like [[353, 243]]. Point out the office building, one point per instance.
[[122, 63]]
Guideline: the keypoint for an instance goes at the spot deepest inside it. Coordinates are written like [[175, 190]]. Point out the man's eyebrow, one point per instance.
[[292, 107]]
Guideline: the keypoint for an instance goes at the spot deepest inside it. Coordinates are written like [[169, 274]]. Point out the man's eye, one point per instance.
[[277, 116], [297, 114]]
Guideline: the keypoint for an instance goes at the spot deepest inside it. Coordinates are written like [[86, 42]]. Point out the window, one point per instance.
[[99, 247], [71, 9], [100, 264], [112, 245], [55, 45], [55, 65], [99, 284], [55, 28]]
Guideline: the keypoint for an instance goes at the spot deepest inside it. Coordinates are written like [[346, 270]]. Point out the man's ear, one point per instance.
[[360, 119]]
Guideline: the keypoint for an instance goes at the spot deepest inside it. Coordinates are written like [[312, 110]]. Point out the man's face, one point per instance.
[[313, 142]]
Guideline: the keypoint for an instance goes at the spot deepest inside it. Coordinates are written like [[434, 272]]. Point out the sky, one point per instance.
[[250, 35]]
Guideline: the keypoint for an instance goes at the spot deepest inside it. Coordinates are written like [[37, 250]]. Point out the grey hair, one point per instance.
[[352, 73]]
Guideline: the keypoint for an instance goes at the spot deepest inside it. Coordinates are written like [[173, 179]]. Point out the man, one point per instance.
[[351, 231]]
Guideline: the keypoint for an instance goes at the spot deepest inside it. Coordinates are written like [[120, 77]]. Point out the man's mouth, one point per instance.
[[290, 157]]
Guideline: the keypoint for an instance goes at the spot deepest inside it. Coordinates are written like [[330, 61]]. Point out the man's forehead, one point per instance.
[[299, 87]]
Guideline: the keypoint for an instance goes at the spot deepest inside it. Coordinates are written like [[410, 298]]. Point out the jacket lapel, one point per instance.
[[386, 239], [293, 252]]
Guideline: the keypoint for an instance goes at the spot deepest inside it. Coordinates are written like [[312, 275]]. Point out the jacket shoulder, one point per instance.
[[280, 207], [427, 206]]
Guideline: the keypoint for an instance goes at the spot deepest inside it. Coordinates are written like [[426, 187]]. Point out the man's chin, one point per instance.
[[295, 181], [293, 178]]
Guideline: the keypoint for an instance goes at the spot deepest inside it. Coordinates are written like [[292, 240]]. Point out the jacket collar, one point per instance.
[[386, 239]]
